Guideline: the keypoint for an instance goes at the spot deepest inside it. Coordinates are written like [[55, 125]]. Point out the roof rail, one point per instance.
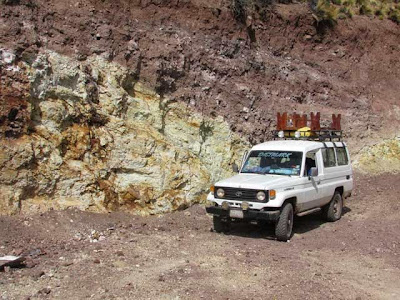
[[296, 126]]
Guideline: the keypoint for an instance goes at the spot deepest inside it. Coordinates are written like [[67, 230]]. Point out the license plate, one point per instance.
[[234, 213]]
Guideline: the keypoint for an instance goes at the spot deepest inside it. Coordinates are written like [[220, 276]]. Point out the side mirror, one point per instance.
[[314, 172], [235, 168]]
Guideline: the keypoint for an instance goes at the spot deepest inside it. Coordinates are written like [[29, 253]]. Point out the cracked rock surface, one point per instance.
[[112, 144]]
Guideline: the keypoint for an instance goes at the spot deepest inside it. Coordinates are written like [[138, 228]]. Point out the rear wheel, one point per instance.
[[333, 210], [220, 224], [284, 226]]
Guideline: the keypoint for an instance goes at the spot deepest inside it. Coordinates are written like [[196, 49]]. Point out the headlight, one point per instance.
[[272, 194], [297, 134], [260, 196], [281, 134], [220, 193], [225, 205]]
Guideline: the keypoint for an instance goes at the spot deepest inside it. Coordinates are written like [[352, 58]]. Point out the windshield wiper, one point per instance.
[[283, 174], [261, 173]]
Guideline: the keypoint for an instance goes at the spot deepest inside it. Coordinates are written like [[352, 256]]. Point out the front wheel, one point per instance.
[[284, 226], [221, 225], [333, 210]]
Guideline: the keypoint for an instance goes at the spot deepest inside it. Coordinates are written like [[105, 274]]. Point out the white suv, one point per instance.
[[281, 178]]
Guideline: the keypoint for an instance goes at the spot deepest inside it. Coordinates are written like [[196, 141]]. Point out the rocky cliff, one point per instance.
[[97, 139], [141, 105]]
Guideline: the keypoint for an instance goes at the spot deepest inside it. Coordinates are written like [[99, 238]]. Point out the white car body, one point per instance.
[[304, 191]]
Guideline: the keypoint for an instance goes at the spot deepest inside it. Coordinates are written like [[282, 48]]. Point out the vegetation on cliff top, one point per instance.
[[331, 10], [328, 10]]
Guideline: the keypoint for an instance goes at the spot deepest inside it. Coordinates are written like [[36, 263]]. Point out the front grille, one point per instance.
[[240, 194]]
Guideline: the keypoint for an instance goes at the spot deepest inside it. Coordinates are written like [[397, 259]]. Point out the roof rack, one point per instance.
[[300, 127]]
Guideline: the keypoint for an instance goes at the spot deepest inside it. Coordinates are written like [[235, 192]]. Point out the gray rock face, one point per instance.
[[101, 141]]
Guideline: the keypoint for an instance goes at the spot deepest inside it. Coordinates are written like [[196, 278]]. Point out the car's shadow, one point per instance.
[[300, 225]]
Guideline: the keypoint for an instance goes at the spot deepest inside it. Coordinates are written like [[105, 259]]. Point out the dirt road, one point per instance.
[[79, 255]]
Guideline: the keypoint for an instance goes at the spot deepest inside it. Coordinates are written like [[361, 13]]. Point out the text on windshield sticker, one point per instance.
[[275, 154]]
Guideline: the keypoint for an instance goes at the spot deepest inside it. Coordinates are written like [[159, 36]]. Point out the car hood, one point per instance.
[[255, 181]]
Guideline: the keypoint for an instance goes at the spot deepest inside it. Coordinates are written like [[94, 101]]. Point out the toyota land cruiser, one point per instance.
[[304, 172]]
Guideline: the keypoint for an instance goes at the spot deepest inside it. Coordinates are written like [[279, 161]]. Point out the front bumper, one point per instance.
[[276, 203], [247, 214]]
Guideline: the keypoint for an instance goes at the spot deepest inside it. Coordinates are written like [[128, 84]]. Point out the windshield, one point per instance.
[[273, 162]]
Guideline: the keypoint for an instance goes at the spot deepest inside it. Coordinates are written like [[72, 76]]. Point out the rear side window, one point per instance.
[[342, 158], [328, 155]]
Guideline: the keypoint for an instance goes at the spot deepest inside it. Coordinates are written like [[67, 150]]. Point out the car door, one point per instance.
[[331, 174], [311, 186]]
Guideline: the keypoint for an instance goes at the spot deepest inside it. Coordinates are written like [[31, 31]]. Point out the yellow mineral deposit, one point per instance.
[[124, 150], [380, 158]]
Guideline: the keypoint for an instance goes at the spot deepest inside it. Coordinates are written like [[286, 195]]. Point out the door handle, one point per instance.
[[347, 177], [319, 181]]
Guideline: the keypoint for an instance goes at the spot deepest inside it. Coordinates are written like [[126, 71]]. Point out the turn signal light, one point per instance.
[[272, 194], [212, 188]]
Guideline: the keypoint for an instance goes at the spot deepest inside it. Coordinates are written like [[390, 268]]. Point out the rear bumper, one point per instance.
[[247, 214]]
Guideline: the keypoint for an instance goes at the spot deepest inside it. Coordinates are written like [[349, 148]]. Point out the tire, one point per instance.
[[221, 225], [333, 210], [284, 226]]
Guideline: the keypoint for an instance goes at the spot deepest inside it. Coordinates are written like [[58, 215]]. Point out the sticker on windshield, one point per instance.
[[275, 154]]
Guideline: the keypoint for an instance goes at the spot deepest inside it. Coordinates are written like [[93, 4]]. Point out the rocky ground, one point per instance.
[[79, 255]]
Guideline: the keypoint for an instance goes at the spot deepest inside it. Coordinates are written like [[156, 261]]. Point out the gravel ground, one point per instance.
[[79, 255]]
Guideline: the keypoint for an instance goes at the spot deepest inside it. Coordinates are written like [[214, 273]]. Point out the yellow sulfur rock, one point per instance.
[[110, 147]]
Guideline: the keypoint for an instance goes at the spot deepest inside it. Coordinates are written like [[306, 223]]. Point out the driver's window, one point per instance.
[[311, 162]]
